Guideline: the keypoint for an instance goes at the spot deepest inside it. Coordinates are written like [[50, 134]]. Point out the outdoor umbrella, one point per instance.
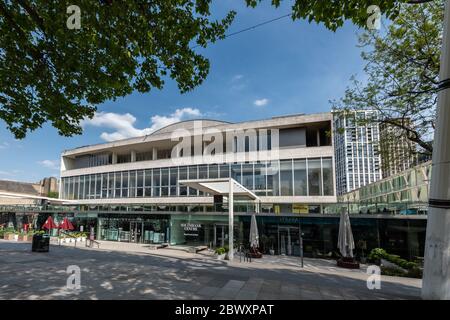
[[345, 239], [66, 224], [254, 237], [49, 224]]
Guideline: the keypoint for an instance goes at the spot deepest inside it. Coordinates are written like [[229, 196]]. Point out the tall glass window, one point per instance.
[[132, 187], [83, 187], [125, 184], [247, 176], [224, 171], [92, 186], [327, 171], [147, 183], [140, 183], [183, 176], [314, 177], [260, 179], [156, 185], [164, 182], [104, 185], [193, 174], [213, 171], [110, 185], [300, 183], [286, 177], [236, 173], [76, 186], [273, 178], [173, 181], [118, 183]]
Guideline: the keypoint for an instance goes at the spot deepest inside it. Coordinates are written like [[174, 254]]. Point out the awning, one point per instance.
[[220, 186]]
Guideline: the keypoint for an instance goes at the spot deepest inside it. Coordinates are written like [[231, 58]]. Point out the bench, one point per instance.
[[197, 249]]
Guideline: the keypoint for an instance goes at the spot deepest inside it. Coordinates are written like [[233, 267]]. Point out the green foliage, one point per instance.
[[401, 76], [220, 250], [53, 194], [49, 73], [333, 13], [378, 253]]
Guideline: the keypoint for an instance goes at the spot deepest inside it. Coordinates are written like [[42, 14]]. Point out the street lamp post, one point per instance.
[[436, 277]]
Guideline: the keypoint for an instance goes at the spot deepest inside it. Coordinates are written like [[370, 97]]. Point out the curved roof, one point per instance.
[[188, 125]]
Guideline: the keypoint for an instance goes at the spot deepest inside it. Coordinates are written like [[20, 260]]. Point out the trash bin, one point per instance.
[[40, 243]]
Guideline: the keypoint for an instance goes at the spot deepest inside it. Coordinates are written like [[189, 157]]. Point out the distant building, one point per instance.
[[17, 192], [397, 152], [357, 145]]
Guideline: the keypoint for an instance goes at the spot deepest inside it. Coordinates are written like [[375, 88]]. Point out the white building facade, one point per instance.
[[133, 184], [357, 149]]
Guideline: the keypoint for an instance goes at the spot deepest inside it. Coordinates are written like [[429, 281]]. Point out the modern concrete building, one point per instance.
[[286, 161], [357, 149]]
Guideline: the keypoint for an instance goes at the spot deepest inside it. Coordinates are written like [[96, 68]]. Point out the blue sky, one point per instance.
[[281, 68]]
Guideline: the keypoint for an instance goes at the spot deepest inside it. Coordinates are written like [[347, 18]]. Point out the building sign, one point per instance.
[[299, 208], [191, 229]]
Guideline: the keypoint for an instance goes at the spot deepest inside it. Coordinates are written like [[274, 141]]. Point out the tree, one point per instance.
[[402, 70], [50, 73]]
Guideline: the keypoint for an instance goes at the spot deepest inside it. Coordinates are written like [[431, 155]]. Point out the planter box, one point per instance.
[[66, 240], [83, 239], [24, 238], [221, 256], [79, 239], [8, 236]]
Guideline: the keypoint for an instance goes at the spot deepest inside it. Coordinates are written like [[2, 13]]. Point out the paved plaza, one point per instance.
[[131, 271]]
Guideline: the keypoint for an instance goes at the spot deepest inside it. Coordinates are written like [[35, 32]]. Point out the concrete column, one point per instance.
[[133, 156], [230, 220], [114, 158], [154, 154], [436, 276]]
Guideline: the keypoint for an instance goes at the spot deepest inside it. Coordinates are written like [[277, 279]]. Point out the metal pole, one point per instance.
[[230, 221], [436, 276], [301, 241]]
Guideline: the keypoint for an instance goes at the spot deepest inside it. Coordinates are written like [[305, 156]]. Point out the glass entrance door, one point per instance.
[[220, 235], [136, 231], [288, 241]]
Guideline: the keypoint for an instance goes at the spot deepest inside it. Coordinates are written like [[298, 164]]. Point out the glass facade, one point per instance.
[[291, 177]]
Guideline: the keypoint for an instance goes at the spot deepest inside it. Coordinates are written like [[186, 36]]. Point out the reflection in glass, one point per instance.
[[314, 177], [300, 188], [286, 177]]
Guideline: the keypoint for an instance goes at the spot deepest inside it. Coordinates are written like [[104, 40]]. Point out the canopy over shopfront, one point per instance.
[[224, 187]]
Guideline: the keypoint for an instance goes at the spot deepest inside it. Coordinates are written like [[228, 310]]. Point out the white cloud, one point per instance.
[[4, 145], [261, 102], [123, 124], [237, 77], [50, 164]]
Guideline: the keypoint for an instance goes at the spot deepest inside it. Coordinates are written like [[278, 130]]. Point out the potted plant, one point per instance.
[[221, 253], [23, 236], [272, 241]]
